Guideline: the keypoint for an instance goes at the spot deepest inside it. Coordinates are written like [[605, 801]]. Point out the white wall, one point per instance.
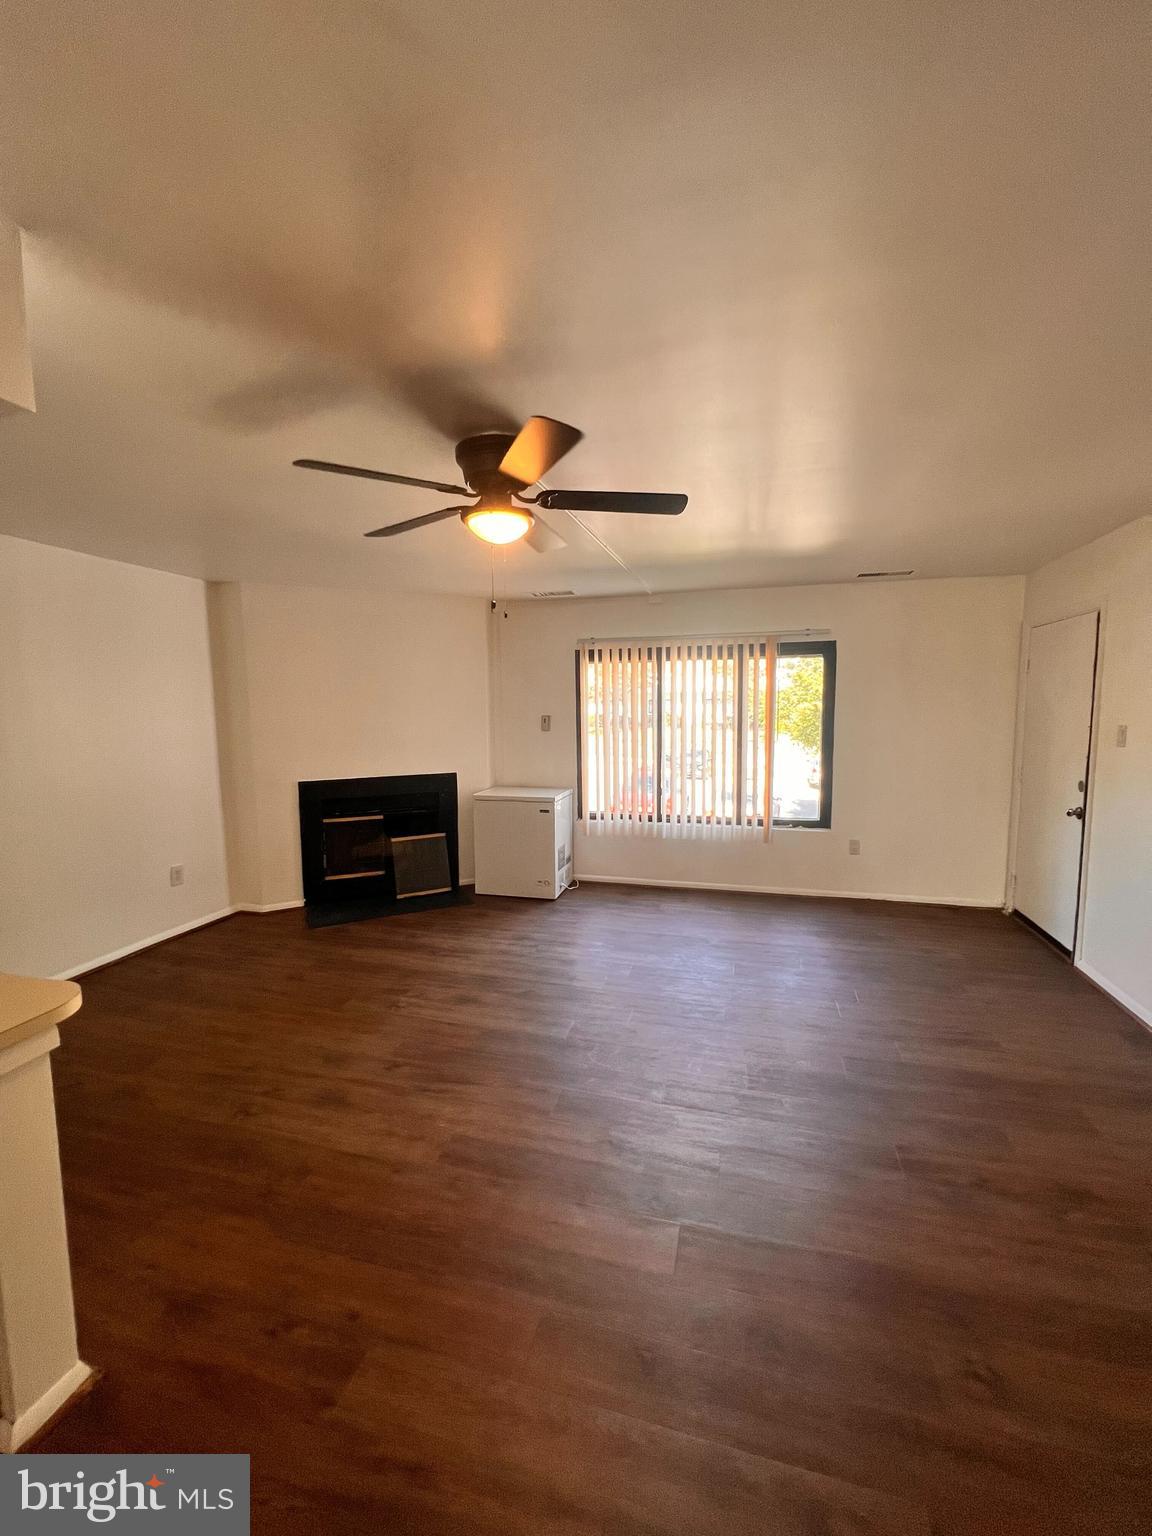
[[1114, 575], [321, 684], [108, 764], [927, 679]]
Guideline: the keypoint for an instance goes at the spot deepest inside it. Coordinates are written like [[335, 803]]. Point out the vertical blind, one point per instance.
[[676, 735]]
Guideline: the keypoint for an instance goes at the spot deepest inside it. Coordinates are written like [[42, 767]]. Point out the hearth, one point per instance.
[[370, 847]]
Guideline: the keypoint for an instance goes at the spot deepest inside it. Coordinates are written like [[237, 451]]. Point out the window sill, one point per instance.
[[701, 830]]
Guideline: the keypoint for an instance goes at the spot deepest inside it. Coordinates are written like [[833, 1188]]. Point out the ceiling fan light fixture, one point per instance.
[[493, 465], [498, 525]]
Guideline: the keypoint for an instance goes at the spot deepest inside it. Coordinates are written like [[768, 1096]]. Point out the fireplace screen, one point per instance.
[[354, 846], [421, 865]]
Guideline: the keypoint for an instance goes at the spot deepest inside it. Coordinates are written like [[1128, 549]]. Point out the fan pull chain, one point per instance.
[[493, 551]]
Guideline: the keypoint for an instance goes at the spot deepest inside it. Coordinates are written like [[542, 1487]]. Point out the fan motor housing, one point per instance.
[[479, 460]]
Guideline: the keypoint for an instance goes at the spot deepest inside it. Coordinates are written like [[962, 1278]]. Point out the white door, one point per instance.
[[1054, 774]]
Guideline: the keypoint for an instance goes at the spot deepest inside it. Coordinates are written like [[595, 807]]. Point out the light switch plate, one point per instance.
[[545, 722], [1121, 735], [853, 845], [176, 875]]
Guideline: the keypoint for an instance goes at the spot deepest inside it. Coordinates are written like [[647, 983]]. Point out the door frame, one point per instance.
[[1100, 614]]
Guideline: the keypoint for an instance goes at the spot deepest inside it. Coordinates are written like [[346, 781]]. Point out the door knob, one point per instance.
[[1077, 811]]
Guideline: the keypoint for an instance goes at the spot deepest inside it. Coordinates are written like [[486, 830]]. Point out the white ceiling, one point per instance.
[[869, 281]]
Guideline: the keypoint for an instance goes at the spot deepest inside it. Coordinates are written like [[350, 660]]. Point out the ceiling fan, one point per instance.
[[498, 467]]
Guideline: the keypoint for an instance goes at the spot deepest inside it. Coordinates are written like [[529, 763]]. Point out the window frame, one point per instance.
[[823, 648], [827, 649]]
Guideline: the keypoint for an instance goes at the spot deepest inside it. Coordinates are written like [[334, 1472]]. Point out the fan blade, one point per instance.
[[544, 539], [416, 522], [540, 443], [379, 474], [663, 505]]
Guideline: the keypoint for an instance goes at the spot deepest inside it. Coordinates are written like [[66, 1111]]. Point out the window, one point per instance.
[[805, 721], [672, 733]]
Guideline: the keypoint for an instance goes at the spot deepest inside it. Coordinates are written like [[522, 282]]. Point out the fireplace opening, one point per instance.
[[373, 845], [354, 846]]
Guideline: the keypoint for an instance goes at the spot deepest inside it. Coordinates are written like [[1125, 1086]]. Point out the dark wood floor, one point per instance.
[[640, 1213]]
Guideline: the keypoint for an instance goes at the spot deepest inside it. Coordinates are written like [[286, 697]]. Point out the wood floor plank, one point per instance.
[[837, 1435], [544, 1462]]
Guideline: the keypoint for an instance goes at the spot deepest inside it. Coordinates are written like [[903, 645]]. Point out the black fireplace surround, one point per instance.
[[346, 827]]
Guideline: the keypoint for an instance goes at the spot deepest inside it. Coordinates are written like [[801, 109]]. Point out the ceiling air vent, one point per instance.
[[566, 593], [877, 575]]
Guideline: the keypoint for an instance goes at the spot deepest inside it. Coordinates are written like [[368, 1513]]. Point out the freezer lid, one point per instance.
[[522, 792]]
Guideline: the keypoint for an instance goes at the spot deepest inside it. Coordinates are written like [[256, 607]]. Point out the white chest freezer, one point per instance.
[[523, 841]]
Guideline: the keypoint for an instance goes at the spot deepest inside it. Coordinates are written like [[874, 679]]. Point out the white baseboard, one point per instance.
[[155, 938], [1143, 1013], [789, 890], [171, 933], [275, 906], [15, 1433]]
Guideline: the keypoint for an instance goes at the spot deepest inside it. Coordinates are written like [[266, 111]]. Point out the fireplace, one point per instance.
[[370, 847]]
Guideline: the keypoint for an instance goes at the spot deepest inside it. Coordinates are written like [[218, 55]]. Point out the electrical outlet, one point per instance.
[[853, 845], [1121, 735], [545, 722], [176, 875]]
